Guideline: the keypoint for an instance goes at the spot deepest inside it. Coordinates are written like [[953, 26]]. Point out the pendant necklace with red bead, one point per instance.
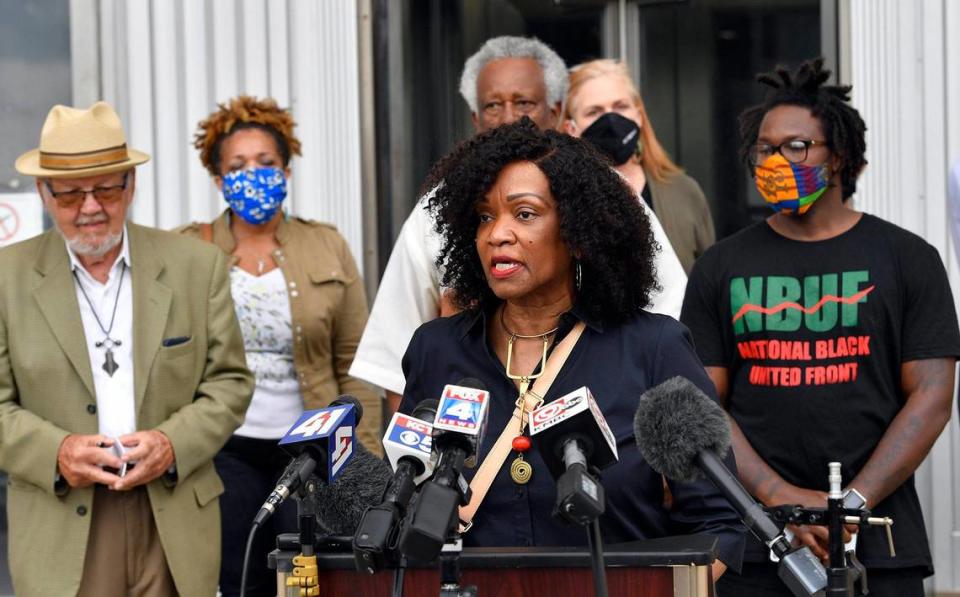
[[520, 470]]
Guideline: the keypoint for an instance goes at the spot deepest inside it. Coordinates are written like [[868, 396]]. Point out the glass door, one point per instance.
[[35, 70]]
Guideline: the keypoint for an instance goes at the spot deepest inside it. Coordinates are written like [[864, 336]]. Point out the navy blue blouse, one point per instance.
[[618, 364]]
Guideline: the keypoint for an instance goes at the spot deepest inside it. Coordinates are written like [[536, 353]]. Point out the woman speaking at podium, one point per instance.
[[543, 240]]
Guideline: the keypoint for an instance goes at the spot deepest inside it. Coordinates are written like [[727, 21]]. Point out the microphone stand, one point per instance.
[[581, 501], [450, 569], [305, 579], [846, 576]]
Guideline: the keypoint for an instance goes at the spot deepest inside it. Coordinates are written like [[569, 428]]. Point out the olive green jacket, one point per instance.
[[194, 392], [328, 308], [685, 216]]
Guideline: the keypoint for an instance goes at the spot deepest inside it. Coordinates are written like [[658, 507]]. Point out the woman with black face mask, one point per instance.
[[604, 107]]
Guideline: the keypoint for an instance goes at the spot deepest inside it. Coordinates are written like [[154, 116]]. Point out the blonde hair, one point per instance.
[[655, 161]]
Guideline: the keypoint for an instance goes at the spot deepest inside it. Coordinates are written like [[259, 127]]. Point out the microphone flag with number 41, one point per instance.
[[327, 430], [462, 410]]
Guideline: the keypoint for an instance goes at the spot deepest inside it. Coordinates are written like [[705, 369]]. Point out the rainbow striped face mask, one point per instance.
[[790, 188]]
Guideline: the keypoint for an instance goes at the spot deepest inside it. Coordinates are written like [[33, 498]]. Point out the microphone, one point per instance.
[[573, 437], [457, 432], [408, 445], [683, 435], [341, 504], [319, 436], [462, 418]]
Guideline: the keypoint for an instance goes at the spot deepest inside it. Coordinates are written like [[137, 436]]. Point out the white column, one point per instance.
[[165, 64], [906, 83]]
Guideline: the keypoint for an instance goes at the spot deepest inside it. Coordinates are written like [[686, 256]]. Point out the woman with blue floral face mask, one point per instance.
[[302, 308]]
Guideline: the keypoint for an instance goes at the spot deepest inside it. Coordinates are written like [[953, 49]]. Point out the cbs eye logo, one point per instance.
[[410, 438]]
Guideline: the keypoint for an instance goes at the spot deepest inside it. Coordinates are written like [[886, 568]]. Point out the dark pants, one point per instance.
[[761, 580], [250, 469]]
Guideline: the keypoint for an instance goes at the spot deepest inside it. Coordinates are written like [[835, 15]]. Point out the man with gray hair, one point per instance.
[[506, 79], [512, 77]]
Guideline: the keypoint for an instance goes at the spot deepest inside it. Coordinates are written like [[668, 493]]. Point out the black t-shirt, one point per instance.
[[813, 335]]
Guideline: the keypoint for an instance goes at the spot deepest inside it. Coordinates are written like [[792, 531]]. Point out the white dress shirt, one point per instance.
[[116, 412], [409, 296]]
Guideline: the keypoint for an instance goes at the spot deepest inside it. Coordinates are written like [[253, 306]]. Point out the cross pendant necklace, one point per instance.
[[109, 364]]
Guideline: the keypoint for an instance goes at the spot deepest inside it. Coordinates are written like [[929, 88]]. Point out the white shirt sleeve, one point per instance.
[[670, 274], [953, 203], [408, 297]]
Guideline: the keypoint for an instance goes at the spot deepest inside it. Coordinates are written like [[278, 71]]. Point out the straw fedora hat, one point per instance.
[[77, 143]]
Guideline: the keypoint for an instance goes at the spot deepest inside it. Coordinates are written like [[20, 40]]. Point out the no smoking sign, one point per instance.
[[21, 216], [9, 222]]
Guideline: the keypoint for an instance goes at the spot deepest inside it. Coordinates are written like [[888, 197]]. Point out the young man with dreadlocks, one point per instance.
[[830, 335]]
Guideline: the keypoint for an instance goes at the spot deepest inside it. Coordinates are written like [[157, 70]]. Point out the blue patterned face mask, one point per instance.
[[255, 194]]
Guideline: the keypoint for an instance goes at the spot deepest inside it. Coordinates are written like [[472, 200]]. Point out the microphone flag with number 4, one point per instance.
[[330, 430], [462, 410]]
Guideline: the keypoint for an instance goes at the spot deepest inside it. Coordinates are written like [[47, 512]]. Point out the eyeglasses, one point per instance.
[[520, 106], [793, 151], [103, 195]]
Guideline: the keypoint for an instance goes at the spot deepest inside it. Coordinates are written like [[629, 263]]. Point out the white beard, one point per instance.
[[95, 251], [89, 249]]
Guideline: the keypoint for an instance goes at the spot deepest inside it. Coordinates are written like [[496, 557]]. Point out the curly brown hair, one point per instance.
[[244, 112]]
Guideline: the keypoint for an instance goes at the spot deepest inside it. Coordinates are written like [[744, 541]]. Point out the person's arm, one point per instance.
[[393, 400], [928, 387], [348, 325], [29, 444], [197, 431], [953, 203], [407, 297], [698, 506], [763, 482]]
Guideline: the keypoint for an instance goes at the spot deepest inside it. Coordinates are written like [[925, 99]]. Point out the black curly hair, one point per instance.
[[601, 220], [806, 87]]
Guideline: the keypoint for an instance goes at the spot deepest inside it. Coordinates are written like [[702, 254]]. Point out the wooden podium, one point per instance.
[[667, 567]]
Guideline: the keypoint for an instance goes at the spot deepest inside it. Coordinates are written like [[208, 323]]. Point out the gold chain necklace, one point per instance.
[[520, 470]]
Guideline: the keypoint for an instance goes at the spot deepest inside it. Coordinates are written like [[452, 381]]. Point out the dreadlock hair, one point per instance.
[[843, 127]]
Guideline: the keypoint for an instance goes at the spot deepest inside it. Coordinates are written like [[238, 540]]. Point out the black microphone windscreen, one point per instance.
[[426, 410], [472, 382], [341, 505], [349, 399], [676, 421]]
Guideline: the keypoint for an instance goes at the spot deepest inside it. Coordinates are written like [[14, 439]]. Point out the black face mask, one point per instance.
[[615, 136]]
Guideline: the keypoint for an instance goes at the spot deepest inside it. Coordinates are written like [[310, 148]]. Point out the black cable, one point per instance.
[[398, 580], [596, 559], [246, 559]]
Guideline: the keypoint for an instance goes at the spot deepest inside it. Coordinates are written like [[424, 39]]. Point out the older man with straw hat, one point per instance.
[[122, 373]]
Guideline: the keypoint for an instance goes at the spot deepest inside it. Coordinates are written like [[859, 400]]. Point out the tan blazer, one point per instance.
[[195, 392], [685, 216]]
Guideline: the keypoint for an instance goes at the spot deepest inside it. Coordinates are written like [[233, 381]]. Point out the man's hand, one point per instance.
[[718, 569], [153, 454], [817, 538], [81, 457]]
